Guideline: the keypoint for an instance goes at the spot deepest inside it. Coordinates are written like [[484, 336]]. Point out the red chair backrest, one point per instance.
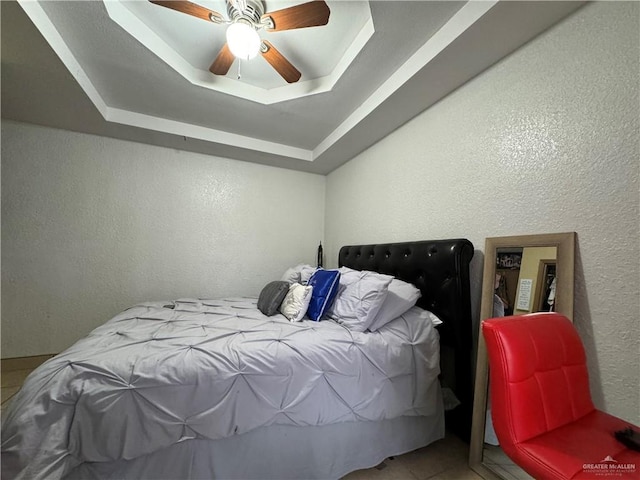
[[538, 375]]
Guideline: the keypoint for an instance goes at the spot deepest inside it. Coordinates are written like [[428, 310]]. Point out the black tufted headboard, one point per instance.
[[440, 269]]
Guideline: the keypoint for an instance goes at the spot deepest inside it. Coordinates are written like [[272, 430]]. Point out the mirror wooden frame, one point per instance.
[[565, 255]]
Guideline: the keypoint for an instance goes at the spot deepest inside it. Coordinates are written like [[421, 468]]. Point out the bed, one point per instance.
[[199, 388]]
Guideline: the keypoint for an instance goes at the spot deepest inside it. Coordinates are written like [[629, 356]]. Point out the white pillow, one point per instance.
[[306, 273], [296, 302], [435, 320], [416, 314], [401, 297], [360, 296], [298, 274]]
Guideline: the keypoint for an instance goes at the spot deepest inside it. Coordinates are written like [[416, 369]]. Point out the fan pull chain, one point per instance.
[[239, 73]]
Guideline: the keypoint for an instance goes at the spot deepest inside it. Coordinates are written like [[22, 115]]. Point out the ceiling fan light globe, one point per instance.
[[243, 40]]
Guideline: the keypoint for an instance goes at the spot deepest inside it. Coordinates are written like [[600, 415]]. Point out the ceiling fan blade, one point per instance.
[[223, 61], [310, 14], [279, 63], [191, 9]]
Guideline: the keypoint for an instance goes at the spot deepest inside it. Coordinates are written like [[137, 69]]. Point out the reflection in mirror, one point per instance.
[[522, 274], [525, 280]]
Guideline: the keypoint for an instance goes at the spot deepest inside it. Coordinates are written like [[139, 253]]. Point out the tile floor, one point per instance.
[[498, 461], [13, 372], [446, 459]]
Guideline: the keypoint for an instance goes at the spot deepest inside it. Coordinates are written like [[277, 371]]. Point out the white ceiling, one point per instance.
[[374, 67]]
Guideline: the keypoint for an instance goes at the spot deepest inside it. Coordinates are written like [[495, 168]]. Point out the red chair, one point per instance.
[[541, 404]]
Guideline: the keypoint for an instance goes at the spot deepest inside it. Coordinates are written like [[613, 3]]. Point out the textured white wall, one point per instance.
[[93, 225], [544, 141]]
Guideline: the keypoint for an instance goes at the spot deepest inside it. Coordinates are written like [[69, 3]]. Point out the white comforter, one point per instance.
[[154, 376]]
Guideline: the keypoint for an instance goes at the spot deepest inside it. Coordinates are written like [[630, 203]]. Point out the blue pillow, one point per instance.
[[325, 285]]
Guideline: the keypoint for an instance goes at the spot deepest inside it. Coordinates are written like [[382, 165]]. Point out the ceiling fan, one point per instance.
[[246, 18]]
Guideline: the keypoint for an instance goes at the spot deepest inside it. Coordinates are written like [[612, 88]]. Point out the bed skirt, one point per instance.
[[278, 452]]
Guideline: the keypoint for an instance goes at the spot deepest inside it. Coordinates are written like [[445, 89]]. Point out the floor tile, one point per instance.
[[461, 472], [14, 378], [7, 393], [440, 456], [22, 363], [516, 472], [497, 460], [443, 459], [393, 470]]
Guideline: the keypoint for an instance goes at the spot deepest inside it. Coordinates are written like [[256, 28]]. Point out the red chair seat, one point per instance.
[[542, 410], [566, 451]]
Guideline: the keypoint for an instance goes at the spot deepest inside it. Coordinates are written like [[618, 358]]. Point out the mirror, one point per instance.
[[522, 274]]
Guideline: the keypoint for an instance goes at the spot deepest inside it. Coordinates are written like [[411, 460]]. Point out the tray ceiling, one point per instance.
[[139, 72]]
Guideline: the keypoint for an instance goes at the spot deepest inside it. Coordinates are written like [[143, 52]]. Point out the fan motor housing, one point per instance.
[[253, 11]]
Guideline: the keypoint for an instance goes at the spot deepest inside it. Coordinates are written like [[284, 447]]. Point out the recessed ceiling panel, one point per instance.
[[189, 45]]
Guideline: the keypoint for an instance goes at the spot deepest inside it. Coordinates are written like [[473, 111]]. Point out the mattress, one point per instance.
[[160, 374]]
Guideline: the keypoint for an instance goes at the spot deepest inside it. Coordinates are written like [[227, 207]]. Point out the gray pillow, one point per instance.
[[271, 297]]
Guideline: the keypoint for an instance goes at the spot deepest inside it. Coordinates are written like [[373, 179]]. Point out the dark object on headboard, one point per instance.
[[320, 258], [440, 269]]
